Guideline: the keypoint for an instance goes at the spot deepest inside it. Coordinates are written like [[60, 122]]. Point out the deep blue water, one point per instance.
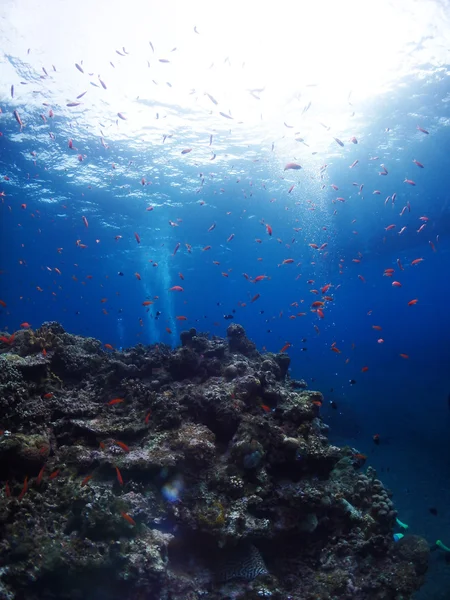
[[404, 400]]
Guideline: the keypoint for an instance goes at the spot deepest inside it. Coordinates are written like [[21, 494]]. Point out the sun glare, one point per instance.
[[185, 65]]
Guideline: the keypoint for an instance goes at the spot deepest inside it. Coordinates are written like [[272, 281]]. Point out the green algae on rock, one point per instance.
[[231, 485]]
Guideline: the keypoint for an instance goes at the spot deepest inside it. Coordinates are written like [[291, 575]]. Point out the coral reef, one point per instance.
[[162, 474]]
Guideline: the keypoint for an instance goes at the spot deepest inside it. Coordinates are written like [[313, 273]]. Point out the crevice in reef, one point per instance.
[[203, 471]]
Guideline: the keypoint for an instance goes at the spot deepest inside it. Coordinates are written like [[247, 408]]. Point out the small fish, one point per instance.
[[54, 475], [269, 229], [138, 239], [364, 369], [86, 480], [24, 489], [409, 181], [127, 517], [147, 417], [422, 130], [119, 476], [293, 166], [147, 303], [115, 401], [338, 142], [176, 288], [285, 347], [181, 318], [122, 445], [412, 302], [85, 221], [18, 119], [121, 116], [72, 104], [40, 475]]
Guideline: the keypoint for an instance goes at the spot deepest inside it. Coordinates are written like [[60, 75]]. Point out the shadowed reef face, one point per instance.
[[212, 474]]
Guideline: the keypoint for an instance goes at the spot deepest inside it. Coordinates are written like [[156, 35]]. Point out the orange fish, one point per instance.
[[24, 489], [412, 302], [147, 303], [362, 278], [285, 347], [138, 277], [404, 355], [181, 276], [119, 476], [176, 288], [85, 221], [122, 445], [318, 304], [269, 229], [125, 515], [206, 248], [86, 480], [364, 369], [416, 261], [40, 475], [25, 325], [108, 346], [255, 297], [168, 330], [115, 401], [138, 239], [47, 396], [147, 417], [181, 318], [265, 408], [377, 327], [334, 349], [54, 475], [3, 303]]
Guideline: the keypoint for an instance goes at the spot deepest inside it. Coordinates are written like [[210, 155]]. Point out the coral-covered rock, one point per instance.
[[202, 471]]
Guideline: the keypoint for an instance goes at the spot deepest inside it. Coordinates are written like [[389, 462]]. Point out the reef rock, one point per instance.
[[203, 471]]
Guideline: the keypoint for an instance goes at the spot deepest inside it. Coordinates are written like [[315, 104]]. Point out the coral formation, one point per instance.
[[179, 474]]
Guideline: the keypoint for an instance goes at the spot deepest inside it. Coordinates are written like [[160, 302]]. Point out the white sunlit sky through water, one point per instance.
[[182, 115]]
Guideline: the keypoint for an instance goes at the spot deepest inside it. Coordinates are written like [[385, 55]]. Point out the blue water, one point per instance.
[[237, 183]]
